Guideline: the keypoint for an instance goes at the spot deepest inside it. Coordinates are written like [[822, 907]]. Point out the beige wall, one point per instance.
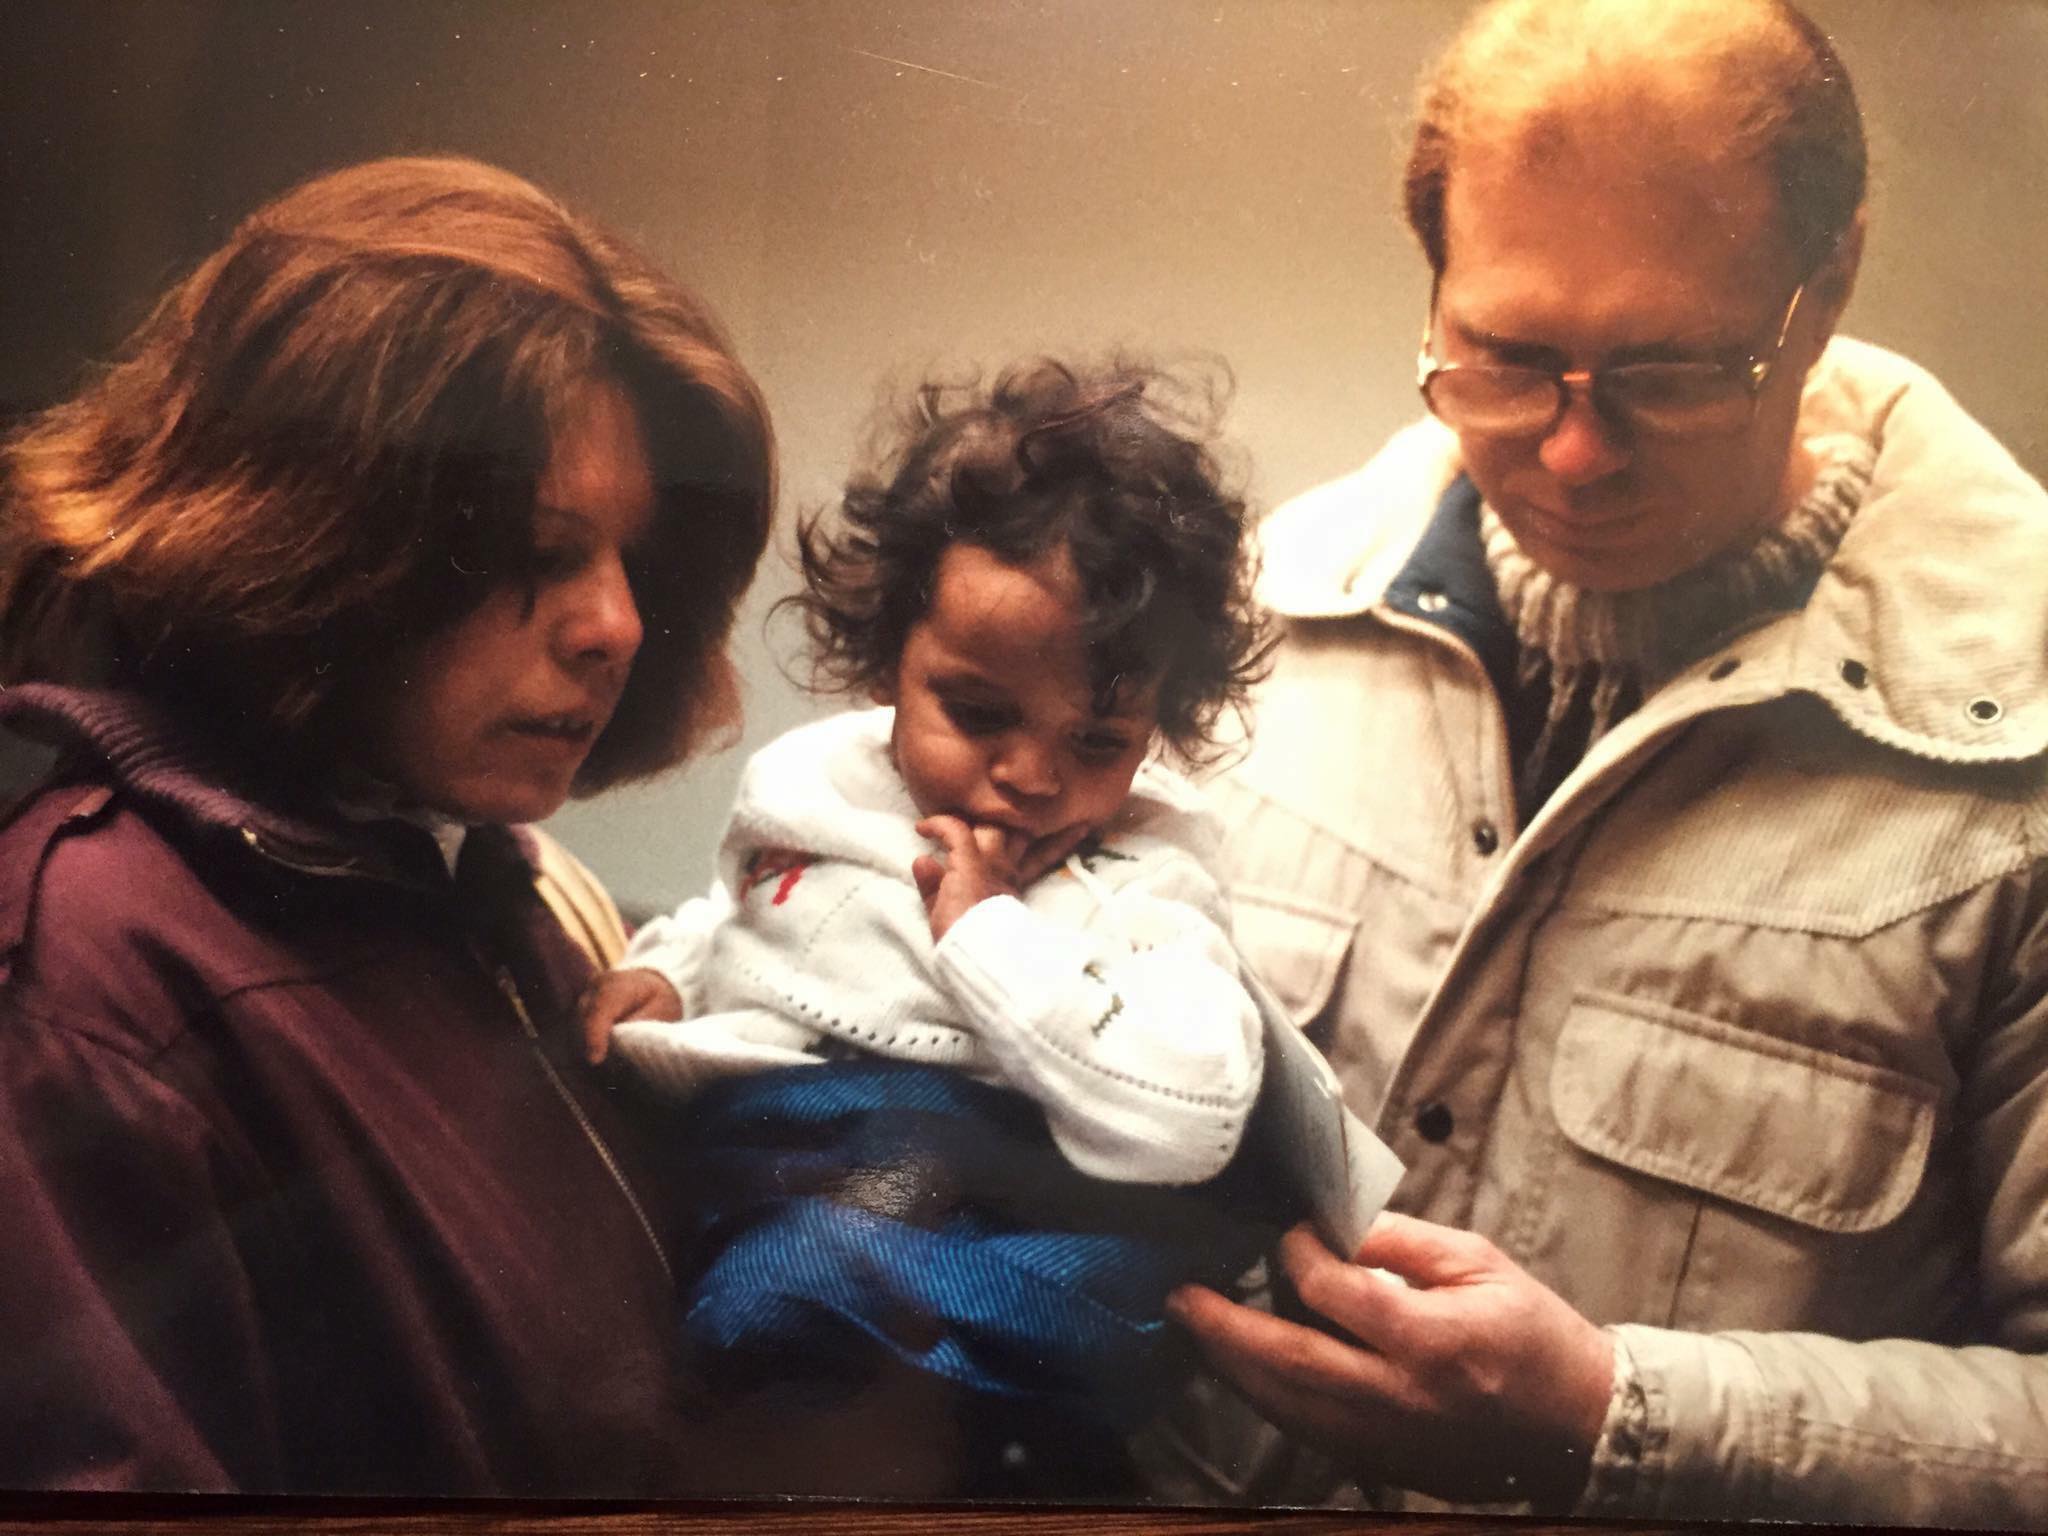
[[869, 189]]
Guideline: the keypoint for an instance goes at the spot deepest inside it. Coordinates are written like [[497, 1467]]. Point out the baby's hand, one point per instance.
[[1048, 853], [618, 995], [979, 863]]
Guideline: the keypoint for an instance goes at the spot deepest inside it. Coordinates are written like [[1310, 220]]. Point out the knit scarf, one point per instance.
[[1601, 653]]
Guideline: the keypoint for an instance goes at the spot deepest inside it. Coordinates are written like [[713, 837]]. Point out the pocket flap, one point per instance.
[[1297, 946], [1830, 1143]]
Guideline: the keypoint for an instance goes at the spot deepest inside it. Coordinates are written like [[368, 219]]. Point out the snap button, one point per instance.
[[1985, 711], [1429, 600], [1855, 674], [1723, 667], [1433, 1123], [1485, 837]]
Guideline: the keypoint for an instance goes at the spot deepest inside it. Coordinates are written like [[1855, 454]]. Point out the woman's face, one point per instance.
[[490, 720]]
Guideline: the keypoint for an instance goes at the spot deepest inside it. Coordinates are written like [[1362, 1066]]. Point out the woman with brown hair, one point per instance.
[[420, 506]]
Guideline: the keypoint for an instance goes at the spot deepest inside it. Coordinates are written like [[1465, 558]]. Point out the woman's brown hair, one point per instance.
[[323, 445]]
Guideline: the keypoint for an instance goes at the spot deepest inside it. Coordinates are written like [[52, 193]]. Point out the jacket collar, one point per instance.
[[156, 757], [1928, 631]]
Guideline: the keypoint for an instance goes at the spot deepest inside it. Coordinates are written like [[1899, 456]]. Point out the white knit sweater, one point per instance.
[[1108, 992]]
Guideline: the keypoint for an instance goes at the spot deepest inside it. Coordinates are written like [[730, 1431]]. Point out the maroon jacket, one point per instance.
[[301, 1187]]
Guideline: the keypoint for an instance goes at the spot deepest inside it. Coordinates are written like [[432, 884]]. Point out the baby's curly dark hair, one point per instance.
[[1112, 464]]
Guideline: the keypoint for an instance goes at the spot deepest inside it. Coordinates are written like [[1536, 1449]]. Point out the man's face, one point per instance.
[[1595, 257]]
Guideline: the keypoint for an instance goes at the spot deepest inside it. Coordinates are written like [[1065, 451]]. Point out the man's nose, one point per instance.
[[1583, 446]]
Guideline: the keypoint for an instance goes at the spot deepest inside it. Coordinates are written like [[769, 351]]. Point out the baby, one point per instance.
[[1048, 585], [993, 876]]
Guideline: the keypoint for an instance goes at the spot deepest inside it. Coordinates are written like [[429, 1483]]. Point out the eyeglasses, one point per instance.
[[1663, 399]]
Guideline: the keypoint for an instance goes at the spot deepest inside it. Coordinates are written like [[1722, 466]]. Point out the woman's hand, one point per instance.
[[619, 995], [1470, 1381]]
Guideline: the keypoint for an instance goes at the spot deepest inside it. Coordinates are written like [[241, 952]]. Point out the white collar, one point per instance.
[[1938, 594]]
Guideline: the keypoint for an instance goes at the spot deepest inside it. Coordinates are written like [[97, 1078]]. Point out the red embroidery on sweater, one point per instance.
[[766, 863]]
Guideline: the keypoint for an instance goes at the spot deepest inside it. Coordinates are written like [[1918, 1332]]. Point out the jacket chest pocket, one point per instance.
[[1751, 1182], [1828, 1143]]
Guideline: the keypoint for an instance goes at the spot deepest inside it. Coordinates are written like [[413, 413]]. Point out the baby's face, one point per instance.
[[995, 719]]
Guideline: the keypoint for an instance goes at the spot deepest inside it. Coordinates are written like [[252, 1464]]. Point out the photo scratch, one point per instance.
[[930, 69]]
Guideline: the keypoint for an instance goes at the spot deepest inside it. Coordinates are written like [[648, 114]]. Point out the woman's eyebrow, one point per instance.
[[549, 518]]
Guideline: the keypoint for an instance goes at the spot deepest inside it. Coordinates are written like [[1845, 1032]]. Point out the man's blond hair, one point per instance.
[[1698, 81]]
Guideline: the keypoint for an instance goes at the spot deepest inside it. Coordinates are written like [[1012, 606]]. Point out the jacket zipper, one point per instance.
[[257, 844], [510, 989]]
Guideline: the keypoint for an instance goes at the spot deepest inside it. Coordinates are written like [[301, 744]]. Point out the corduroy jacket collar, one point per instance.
[[1928, 631]]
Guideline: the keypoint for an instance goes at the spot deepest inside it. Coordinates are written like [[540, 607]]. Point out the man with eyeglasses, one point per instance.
[[1647, 815]]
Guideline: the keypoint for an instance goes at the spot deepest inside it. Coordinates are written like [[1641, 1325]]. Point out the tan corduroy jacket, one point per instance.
[[1742, 1044]]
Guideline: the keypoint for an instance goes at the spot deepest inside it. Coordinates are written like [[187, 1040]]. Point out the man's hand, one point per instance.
[[620, 995], [980, 862], [1470, 1381]]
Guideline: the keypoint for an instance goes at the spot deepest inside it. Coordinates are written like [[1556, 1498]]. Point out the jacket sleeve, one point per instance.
[[1134, 1034], [132, 1345], [1799, 1426]]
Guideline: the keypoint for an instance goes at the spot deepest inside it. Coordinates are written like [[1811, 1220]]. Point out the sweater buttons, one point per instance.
[[1723, 668], [1429, 600], [1985, 711], [1434, 1123], [1855, 674], [1485, 838]]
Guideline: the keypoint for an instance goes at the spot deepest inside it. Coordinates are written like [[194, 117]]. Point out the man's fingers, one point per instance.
[[1246, 1345], [1370, 1307], [1343, 1398], [1344, 1425], [1423, 1253]]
